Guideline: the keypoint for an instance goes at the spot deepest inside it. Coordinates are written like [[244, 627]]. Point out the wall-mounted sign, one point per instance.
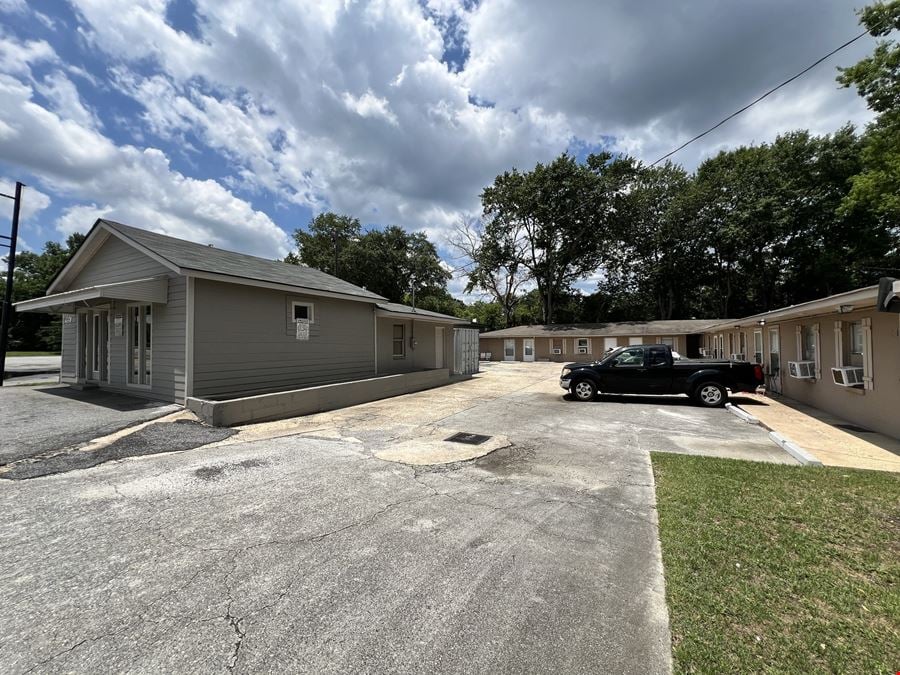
[[118, 325], [302, 329]]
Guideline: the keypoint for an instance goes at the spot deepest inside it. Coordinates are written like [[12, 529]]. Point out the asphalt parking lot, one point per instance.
[[293, 546], [49, 418]]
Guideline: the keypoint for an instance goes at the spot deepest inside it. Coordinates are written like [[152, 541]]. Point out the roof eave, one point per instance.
[[861, 298], [291, 288]]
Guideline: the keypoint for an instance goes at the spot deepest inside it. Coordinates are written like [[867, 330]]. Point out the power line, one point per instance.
[[771, 91], [768, 93]]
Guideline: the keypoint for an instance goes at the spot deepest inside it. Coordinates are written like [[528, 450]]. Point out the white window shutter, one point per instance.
[[838, 344], [799, 342], [590, 346], [868, 369], [818, 343]]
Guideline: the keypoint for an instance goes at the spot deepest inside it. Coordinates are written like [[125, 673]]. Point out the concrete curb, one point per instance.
[[794, 450], [741, 413]]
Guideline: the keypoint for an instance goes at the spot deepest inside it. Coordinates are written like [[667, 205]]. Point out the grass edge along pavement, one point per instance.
[[781, 568]]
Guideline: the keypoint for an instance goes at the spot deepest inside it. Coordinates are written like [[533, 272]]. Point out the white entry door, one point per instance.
[[528, 349], [509, 350], [439, 347]]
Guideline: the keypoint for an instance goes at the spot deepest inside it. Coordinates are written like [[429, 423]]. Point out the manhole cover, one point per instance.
[[470, 439], [853, 427]]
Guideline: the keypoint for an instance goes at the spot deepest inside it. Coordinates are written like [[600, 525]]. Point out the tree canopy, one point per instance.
[[391, 262]]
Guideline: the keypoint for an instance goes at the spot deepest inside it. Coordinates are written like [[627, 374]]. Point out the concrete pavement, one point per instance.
[[816, 431], [291, 546]]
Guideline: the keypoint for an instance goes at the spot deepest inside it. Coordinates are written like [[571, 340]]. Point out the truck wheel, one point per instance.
[[584, 390], [711, 395]]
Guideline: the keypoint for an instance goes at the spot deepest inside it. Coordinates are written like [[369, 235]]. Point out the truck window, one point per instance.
[[657, 357], [630, 358]]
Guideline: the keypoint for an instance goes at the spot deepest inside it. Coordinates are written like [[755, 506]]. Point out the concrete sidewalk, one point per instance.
[[814, 430]]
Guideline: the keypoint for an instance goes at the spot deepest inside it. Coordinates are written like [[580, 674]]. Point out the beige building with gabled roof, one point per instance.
[[570, 342]]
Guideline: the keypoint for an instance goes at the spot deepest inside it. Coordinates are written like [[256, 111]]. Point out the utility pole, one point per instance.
[[10, 269]]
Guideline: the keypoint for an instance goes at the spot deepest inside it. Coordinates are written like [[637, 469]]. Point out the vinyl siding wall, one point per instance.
[[420, 358], [116, 261], [245, 341], [167, 350], [69, 345]]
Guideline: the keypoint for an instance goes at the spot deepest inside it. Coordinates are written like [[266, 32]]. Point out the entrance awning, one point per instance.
[[154, 289]]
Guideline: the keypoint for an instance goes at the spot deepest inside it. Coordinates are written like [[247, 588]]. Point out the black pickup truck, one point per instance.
[[651, 369]]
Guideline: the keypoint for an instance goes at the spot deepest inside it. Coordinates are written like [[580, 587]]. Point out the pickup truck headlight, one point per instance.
[[565, 373]]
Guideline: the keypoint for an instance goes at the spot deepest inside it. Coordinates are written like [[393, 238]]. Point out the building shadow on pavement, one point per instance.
[[105, 399]]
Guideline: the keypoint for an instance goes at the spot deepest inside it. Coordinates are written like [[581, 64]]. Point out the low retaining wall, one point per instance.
[[278, 405]]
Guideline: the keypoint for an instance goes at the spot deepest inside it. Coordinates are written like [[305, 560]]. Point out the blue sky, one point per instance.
[[218, 122]]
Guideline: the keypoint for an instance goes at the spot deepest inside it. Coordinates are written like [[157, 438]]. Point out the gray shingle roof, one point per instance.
[[620, 329], [406, 309], [192, 256]]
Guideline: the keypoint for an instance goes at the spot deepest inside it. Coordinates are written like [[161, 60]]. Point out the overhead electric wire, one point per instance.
[[768, 93], [744, 109]]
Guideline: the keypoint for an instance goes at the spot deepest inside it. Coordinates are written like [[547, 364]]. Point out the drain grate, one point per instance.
[[854, 428], [470, 439]]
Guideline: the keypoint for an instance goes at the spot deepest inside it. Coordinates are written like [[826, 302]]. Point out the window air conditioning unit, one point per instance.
[[703, 351], [802, 370], [738, 357], [556, 350], [582, 350], [847, 377]]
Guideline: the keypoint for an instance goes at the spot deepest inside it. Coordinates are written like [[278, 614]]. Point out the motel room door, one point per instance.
[[528, 349], [509, 350]]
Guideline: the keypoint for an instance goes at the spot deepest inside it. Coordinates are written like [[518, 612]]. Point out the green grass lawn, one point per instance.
[[32, 353], [779, 568]]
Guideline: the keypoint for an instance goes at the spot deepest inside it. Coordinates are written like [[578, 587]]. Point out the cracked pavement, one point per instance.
[[291, 547]]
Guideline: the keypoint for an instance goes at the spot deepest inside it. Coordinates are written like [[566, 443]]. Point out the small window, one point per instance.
[[667, 341], [399, 342], [657, 357], [855, 349], [630, 358], [302, 311], [583, 342], [808, 344]]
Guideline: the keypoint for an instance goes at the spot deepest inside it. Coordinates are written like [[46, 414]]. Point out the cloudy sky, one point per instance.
[[232, 122]]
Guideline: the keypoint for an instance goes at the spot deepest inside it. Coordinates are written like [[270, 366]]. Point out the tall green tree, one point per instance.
[[876, 187], [556, 218], [328, 243], [34, 272], [657, 247], [390, 262]]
